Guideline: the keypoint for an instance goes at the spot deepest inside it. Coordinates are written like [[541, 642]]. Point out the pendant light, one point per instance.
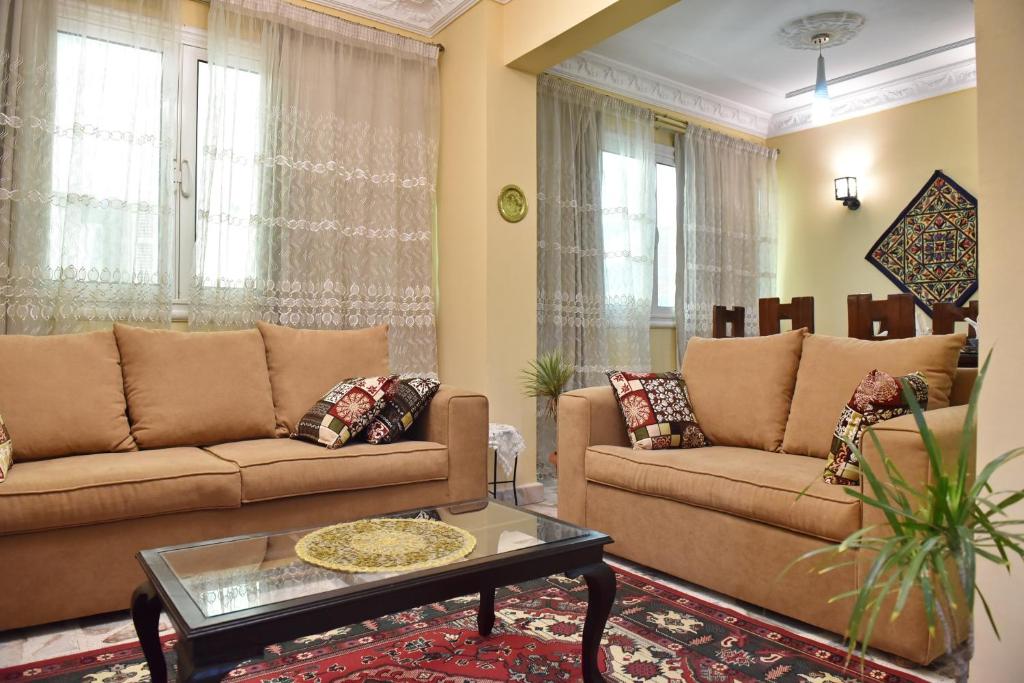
[[821, 106]]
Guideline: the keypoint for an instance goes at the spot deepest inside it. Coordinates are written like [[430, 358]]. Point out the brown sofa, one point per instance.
[[728, 517], [140, 438]]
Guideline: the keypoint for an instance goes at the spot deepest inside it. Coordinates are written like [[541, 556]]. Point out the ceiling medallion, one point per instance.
[[840, 27]]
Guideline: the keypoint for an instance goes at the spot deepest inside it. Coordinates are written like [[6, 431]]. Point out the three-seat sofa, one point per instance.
[[137, 438]]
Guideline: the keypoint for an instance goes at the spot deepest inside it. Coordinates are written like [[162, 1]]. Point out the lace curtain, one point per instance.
[[316, 178], [727, 229], [87, 205]]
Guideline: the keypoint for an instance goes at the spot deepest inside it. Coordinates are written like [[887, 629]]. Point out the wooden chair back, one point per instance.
[[946, 315], [771, 313], [722, 317], [895, 316]]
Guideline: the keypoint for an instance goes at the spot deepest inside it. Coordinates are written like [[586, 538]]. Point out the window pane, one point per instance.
[[621, 185], [666, 285], [228, 145], [106, 157]]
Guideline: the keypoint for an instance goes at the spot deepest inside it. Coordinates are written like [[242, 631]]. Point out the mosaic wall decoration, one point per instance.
[[931, 249]]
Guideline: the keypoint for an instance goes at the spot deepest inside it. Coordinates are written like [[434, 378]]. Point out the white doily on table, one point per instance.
[[507, 441]]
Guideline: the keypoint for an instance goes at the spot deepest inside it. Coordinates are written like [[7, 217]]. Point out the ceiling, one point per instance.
[[425, 17], [727, 55]]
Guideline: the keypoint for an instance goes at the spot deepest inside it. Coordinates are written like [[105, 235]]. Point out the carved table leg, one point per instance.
[[485, 617], [601, 584], [210, 661], [146, 608]]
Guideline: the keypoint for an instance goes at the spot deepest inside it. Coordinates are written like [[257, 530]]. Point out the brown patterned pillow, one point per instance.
[[411, 396], [878, 397], [657, 410], [6, 450], [345, 410]]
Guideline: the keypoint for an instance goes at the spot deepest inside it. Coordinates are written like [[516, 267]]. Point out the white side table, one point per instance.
[[507, 443]]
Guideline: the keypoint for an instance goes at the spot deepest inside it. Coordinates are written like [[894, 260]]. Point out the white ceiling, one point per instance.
[[727, 50]]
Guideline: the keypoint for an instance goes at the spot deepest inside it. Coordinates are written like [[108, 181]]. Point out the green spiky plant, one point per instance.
[[545, 378], [931, 531]]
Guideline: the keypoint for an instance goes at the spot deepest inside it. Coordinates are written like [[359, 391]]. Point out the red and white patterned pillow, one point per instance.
[[657, 410], [345, 410], [6, 450]]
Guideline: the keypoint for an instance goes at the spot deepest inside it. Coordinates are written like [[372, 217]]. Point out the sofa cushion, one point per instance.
[[6, 450], [63, 395], [108, 487], [657, 410], [282, 468], [831, 368], [741, 388], [195, 388], [346, 410], [758, 485], [412, 396], [305, 364]]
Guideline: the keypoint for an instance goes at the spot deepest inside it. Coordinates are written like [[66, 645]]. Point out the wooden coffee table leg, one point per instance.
[[146, 608], [601, 585], [485, 616]]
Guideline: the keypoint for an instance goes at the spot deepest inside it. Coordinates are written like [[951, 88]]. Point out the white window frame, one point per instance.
[[661, 316]]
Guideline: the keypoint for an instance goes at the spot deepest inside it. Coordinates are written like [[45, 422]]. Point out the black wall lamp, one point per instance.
[[846, 192]]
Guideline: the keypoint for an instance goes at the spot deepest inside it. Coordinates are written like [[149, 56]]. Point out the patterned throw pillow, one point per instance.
[[6, 450], [345, 410], [878, 397], [657, 410], [412, 395]]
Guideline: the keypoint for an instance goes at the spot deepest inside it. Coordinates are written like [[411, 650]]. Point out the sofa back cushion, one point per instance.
[[63, 395], [305, 364], [832, 367], [741, 388], [195, 388]]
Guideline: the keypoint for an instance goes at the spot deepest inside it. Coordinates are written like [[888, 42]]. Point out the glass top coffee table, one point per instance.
[[230, 598]]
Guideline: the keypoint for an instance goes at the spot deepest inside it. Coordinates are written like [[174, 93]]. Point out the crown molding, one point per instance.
[[425, 17], [614, 76], [896, 93]]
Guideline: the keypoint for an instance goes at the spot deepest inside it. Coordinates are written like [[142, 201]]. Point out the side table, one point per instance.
[[507, 443]]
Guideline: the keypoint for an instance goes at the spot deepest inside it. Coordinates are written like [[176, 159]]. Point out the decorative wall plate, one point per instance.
[[385, 545], [512, 203]]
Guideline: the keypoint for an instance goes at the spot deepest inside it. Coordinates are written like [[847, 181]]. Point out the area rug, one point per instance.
[[931, 249], [655, 633]]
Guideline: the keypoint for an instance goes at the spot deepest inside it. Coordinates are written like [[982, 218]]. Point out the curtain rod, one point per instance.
[[439, 46]]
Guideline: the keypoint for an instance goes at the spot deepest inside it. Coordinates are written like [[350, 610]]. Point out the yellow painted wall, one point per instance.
[[998, 26], [892, 154]]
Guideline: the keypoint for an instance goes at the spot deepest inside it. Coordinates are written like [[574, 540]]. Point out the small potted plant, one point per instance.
[[546, 378], [933, 538]]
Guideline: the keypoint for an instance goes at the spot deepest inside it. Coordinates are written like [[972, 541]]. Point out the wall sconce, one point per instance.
[[846, 192]]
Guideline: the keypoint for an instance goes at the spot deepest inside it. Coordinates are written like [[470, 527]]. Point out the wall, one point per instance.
[[892, 154], [998, 26]]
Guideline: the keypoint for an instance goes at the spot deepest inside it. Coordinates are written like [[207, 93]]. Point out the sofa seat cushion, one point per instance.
[[758, 485], [109, 487], [282, 468]]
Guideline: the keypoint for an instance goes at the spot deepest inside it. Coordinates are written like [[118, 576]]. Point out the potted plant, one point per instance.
[[933, 537], [545, 378]]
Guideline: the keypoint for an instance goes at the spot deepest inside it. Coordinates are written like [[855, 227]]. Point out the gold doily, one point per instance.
[[385, 545]]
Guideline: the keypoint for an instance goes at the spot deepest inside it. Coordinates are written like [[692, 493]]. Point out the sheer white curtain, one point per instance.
[[596, 225], [87, 144], [727, 228], [316, 179]]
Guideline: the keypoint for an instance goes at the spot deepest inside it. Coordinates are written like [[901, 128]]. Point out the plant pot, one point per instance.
[[553, 459]]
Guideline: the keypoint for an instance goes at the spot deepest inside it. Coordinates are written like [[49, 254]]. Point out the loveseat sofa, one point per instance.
[[729, 517], [138, 438]]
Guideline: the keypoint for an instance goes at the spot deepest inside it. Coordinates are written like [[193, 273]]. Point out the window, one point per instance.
[[664, 298]]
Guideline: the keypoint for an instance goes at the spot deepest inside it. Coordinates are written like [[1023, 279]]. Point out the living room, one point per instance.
[[585, 285]]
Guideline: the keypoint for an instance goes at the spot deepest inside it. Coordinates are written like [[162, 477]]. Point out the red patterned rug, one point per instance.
[[656, 633]]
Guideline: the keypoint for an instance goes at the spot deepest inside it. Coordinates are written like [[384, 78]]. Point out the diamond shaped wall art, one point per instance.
[[931, 249]]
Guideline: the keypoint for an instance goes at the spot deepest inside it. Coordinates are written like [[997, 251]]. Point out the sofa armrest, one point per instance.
[[458, 419], [586, 417]]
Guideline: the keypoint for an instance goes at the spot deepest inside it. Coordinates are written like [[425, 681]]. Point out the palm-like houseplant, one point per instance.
[[546, 379], [933, 537]]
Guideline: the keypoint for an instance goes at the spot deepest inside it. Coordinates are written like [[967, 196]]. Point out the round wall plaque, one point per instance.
[[512, 203]]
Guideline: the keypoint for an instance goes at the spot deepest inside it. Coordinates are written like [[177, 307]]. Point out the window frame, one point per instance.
[[661, 316]]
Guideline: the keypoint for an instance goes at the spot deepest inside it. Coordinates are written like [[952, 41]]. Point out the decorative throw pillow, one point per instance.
[[657, 410], [411, 396], [878, 397], [6, 450], [345, 410]]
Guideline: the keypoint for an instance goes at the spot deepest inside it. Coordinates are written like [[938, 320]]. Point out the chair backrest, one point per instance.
[[946, 315], [771, 313], [722, 317], [895, 316]]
